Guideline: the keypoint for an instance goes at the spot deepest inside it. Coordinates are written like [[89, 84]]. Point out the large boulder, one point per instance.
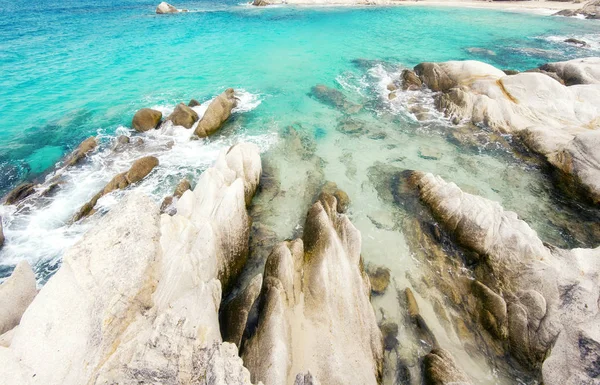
[[137, 299], [576, 71], [81, 151], [146, 119], [16, 293], [551, 119], [538, 298], [19, 193], [183, 116], [316, 311], [138, 171], [218, 111], [165, 7]]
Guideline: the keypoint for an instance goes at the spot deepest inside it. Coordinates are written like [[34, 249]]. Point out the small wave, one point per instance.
[[40, 229], [592, 40]]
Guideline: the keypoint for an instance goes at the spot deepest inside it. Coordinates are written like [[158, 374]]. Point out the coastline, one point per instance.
[[544, 7]]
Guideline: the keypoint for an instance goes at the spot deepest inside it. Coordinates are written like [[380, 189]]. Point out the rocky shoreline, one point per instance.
[[203, 290]]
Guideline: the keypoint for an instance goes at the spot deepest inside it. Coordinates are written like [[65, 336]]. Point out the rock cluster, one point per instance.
[[138, 171], [557, 121], [139, 297], [591, 10], [537, 300]]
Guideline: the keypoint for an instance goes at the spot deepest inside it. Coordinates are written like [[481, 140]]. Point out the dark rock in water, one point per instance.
[[403, 375], [146, 119], [140, 168], [335, 98], [121, 142], [493, 312], [434, 77], [218, 111], [422, 330], [19, 193], [590, 10], [82, 150], [389, 330], [183, 116], [301, 378], [182, 187], [138, 171], [379, 277], [1, 233], [234, 314], [123, 139], [577, 42], [511, 72], [194, 103], [429, 153], [168, 204], [343, 200], [410, 80], [351, 126], [440, 368]]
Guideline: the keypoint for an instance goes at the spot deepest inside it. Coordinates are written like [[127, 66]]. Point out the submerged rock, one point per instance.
[[219, 110], [315, 290], [138, 171], [577, 42], [234, 314], [136, 300], [556, 121], [540, 298], [146, 119], [335, 98], [183, 116], [379, 278], [194, 103], [16, 294]]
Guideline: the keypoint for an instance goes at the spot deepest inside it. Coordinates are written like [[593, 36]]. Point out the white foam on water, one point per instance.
[[592, 40], [40, 229]]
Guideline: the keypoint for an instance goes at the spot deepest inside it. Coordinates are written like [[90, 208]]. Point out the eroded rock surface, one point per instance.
[[538, 300], [316, 291], [137, 299], [16, 293], [557, 121]]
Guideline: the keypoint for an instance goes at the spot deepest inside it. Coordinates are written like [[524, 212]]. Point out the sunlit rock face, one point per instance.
[[535, 299], [554, 120], [316, 315], [137, 299]]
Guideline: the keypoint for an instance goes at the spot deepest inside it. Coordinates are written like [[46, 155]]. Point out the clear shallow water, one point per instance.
[[75, 69]]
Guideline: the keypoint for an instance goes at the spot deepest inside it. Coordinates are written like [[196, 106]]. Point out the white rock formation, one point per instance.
[[316, 315], [165, 7], [136, 300], [550, 294], [16, 293], [554, 120]]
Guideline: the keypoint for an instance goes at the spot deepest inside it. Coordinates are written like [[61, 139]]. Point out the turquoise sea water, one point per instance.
[[71, 69]]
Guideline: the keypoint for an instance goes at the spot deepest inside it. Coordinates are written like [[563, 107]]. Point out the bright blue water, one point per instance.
[[71, 68]]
